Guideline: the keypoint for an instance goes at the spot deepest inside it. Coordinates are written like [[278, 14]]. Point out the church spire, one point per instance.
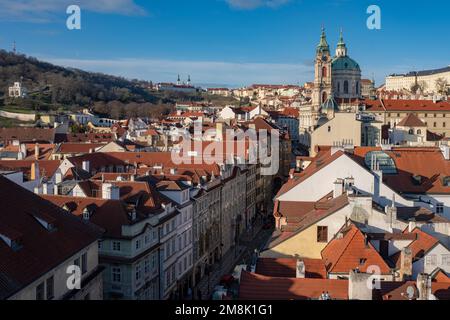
[[341, 49], [323, 44]]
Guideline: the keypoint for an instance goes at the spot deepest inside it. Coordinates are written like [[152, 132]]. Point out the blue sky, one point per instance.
[[232, 42]]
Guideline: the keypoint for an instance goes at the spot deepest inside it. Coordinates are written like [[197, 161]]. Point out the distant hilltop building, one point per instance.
[[428, 80], [180, 86], [17, 91]]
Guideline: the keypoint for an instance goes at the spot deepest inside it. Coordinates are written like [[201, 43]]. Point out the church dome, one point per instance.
[[344, 63], [330, 104]]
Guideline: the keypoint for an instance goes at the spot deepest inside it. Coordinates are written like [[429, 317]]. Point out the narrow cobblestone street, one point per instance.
[[241, 254]]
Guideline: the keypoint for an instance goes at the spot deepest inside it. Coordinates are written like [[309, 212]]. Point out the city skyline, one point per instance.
[[149, 41]]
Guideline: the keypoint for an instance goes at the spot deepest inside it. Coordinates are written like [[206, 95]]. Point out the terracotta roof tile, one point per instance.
[[351, 252]]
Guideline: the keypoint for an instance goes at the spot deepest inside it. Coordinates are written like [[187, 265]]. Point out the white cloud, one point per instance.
[[253, 4], [231, 73], [49, 10]]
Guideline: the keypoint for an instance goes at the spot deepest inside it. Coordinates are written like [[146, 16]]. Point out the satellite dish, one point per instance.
[[410, 292]]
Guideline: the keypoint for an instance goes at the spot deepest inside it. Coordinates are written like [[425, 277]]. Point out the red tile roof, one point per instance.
[[40, 250], [429, 163], [351, 252], [47, 168], [77, 148], [258, 287], [286, 267], [419, 247], [27, 134], [406, 105], [411, 120]]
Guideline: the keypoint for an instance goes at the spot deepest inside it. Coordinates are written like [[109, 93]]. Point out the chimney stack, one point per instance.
[[358, 286], [338, 188], [36, 151], [35, 172], [300, 269], [424, 286], [405, 264]]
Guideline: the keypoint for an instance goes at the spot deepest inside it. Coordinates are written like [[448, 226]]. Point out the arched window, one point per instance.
[[339, 87], [329, 129], [357, 87], [346, 87], [419, 131], [324, 97], [324, 71], [411, 131]]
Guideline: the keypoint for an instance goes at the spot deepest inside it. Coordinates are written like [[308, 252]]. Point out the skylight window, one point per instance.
[[380, 160]]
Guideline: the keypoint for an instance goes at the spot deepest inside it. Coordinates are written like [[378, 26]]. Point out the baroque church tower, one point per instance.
[[322, 79]]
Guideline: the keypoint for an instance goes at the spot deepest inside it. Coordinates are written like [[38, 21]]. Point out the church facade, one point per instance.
[[337, 86]]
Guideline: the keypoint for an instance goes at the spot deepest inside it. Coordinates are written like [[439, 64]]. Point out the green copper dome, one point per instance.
[[344, 63], [330, 104]]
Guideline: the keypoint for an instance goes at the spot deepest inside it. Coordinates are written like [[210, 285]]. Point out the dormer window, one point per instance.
[[86, 214], [48, 224], [12, 241]]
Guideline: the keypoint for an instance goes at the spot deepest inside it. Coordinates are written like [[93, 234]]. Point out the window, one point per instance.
[[84, 263], [116, 246], [329, 129], [446, 260], [346, 87], [116, 275], [40, 291], [431, 260], [138, 272], [50, 288], [434, 124], [99, 244], [77, 262], [443, 124], [146, 266], [411, 131], [357, 87], [439, 208], [419, 131], [322, 234], [138, 244], [324, 71]]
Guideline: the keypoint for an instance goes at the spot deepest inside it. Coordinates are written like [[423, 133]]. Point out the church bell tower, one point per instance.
[[322, 78]]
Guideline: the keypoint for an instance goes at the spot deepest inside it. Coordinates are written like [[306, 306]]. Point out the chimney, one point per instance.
[[173, 171], [405, 264], [58, 178], [110, 191], [86, 166], [36, 151], [35, 172], [411, 226], [45, 188], [359, 287], [424, 286], [300, 269], [338, 188]]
